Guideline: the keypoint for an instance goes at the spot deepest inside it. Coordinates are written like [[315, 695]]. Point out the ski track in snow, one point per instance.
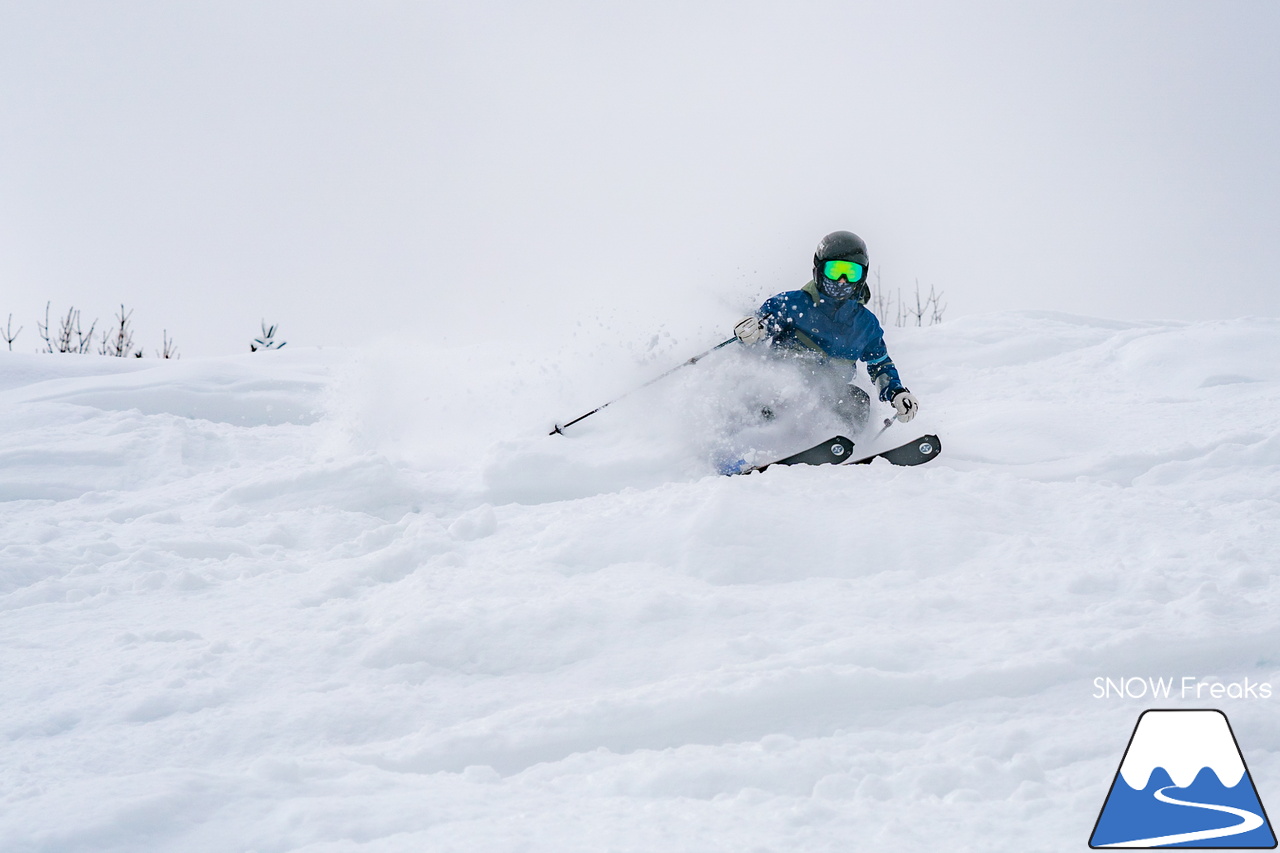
[[359, 601]]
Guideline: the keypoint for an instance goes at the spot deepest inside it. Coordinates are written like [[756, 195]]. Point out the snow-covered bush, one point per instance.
[[268, 339]]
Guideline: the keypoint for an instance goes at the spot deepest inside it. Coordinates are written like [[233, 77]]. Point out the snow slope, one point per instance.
[[359, 601]]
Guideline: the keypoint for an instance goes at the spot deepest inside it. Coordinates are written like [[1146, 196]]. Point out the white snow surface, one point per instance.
[[1183, 743], [332, 600]]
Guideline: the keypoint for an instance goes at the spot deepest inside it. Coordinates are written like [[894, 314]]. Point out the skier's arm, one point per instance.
[[884, 374], [882, 370]]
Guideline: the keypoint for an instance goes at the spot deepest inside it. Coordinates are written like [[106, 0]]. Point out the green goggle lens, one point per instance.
[[850, 271]]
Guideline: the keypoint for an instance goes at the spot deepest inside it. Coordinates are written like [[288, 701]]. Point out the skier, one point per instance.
[[828, 320]]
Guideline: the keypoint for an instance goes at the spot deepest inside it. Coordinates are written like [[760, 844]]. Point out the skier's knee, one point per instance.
[[855, 406]]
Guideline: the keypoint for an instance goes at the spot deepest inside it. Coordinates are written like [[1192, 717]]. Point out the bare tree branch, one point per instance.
[[892, 308], [120, 344], [44, 330], [9, 334], [67, 329], [169, 351], [85, 341]]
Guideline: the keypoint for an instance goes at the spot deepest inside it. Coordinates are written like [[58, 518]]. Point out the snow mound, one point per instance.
[[332, 600]]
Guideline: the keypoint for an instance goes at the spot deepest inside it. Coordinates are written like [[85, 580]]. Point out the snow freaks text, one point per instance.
[[1186, 687]]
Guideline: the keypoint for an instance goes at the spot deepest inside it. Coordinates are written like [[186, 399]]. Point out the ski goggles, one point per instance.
[[850, 271]]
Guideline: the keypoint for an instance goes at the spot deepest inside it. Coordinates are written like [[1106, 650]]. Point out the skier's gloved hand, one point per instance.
[[906, 405], [750, 330]]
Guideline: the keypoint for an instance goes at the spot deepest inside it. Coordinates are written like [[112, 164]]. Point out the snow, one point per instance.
[[336, 600]]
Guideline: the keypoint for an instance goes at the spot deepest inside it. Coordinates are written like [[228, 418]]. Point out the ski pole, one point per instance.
[[560, 428], [888, 422]]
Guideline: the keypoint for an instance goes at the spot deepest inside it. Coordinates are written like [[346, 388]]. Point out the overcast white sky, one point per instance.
[[351, 170]]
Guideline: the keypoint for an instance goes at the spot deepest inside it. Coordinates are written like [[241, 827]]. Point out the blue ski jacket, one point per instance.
[[844, 329]]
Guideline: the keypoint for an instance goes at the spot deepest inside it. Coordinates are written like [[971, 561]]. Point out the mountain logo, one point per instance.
[[1182, 783]]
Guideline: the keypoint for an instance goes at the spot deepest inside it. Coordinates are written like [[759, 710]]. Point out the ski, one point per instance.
[[915, 452], [833, 451], [837, 450]]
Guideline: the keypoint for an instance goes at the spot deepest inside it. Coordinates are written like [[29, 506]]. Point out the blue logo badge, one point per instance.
[[1182, 783]]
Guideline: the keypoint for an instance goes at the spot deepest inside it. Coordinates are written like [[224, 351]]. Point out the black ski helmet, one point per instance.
[[842, 246]]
